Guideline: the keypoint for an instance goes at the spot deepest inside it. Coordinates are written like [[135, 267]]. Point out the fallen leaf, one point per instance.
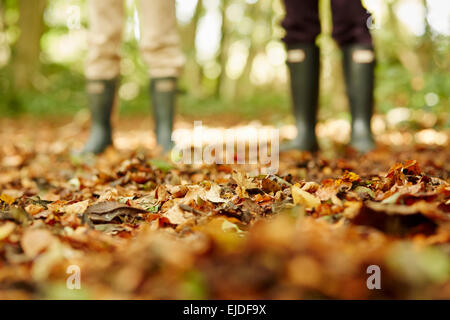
[[187, 208], [229, 226], [34, 209], [213, 194], [108, 210], [352, 209], [112, 228], [175, 215], [7, 199], [311, 187], [35, 241], [268, 185], [304, 198], [178, 191], [76, 208], [16, 214], [162, 165], [243, 181], [399, 219], [6, 229], [348, 177], [162, 194], [364, 192]]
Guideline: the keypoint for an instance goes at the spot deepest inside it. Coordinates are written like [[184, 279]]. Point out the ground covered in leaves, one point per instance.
[[140, 227]]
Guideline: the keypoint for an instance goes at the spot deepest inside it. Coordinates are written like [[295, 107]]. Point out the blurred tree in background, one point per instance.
[[235, 60], [28, 46]]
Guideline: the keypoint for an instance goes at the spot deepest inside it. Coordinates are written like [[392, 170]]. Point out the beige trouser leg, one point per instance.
[[106, 20], [160, 42]]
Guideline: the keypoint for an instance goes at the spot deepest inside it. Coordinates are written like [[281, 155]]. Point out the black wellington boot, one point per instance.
[[303, 64], [163, 93], [101, 100], [359, 63]]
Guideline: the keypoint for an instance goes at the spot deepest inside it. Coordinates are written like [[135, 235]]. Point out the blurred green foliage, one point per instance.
[[57, 88]]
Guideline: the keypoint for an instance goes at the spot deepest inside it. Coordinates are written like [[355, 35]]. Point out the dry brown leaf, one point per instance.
[[176, 215], [213, 194], [178, 191], [7, 198], [35, 241], [76, 208], [108, 210], [311, 187], [34, 209], [6, 229], [352, 208], [304, 198], [243, 181]]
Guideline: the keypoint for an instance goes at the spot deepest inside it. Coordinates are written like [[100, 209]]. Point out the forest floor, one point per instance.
[[134, 225]]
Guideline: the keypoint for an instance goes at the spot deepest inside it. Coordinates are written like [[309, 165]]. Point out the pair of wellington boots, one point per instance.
[[102, 94], [304, 65]]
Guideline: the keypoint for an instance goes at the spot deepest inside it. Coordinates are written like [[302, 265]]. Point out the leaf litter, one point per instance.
[[142, 227]]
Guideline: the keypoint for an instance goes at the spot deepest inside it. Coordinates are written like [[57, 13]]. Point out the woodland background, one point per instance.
[[235, 60]]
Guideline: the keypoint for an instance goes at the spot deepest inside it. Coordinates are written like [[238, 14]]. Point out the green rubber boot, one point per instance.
[[163, 92], [101, 100], [359, 63], [303, 63]]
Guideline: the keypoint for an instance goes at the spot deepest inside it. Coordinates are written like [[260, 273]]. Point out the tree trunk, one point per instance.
[[192, 67], [407, 56], [427, 49], [2, 16], [256, 11], [223, 51], [27, 49]]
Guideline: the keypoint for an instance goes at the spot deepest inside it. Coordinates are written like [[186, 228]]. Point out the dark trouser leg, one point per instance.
[[350, 23], [301, 21], [302, 27], [101, 100], [351, 33], [163, 92]]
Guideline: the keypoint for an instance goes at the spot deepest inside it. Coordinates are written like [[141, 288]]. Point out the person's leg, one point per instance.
[[302, 26], [102, 69], [350, 30], [160, 47], [301, 22]]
